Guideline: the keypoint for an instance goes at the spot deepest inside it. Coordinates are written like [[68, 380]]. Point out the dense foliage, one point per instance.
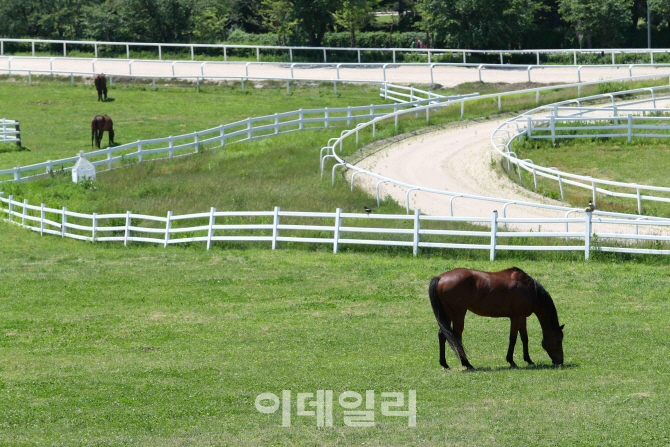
[[479, 24]]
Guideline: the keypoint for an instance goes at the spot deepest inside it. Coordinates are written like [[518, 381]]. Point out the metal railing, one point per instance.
[[429, 53], [526, 125]]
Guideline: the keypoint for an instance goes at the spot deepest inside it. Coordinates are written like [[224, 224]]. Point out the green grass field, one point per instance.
[[102, 344], [106, 345]]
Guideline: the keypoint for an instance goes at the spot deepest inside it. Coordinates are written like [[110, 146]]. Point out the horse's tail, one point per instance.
[[443, 323]]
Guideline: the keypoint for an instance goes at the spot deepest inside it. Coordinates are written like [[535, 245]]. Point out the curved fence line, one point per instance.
[[419, 106], [428, 52], [528, 126]]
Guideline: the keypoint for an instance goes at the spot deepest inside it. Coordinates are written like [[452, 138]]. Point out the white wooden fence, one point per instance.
[[10, 131], [391, 52], [173, 229]]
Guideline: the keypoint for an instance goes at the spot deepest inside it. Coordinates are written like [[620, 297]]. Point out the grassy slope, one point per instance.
[[56, 116], [108, 345]]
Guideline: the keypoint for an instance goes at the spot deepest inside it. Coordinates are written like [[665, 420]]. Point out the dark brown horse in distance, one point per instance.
[[100, 82], [509, 294], [100, 124]]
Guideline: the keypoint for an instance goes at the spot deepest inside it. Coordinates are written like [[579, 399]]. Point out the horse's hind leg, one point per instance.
[[524, 341], [459, 325], [443, 341]]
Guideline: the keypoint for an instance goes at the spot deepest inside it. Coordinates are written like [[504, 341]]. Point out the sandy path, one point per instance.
[[446, 76], [458, 159]]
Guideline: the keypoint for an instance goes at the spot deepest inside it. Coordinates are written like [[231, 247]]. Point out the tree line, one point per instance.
[[474, 24]]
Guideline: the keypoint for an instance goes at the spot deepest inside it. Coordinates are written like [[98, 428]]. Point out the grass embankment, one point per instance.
[[643, 160], [104, 345]]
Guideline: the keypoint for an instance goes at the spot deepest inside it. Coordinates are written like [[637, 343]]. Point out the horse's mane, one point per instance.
[[543, 298]]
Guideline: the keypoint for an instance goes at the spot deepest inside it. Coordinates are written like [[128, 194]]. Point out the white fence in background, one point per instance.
[[173, 67], [10, 131], [609, 119], [53, 221], [429, 53]]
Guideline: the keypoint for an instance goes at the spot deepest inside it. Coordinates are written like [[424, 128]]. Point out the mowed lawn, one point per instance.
[[106, 345]]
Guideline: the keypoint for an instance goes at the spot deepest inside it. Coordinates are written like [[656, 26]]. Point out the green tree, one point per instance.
[[606, 22], [277, 15], [479, 23], [352, 15], [315, 18], [212, 20]]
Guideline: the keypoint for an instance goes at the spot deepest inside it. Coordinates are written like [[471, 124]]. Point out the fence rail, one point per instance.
[[106, 228], [171, 65], [429, 53], [10, 131], [609, 120]]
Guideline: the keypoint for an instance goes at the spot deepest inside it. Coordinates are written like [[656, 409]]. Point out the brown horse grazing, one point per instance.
[[509, 294], [100, 124], [100, 82]]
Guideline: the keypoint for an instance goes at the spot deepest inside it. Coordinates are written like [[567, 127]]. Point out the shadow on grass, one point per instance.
[[542, 366]]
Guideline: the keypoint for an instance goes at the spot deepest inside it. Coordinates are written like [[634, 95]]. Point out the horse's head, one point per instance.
[[552, 342]]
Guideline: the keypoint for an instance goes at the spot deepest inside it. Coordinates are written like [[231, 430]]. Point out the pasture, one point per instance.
[[103, 344]]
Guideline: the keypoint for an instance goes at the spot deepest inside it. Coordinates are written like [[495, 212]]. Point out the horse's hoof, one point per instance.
[[470, 368], [513, 366], [530, 363]]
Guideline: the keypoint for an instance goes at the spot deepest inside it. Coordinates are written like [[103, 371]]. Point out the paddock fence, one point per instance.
[[391, 53], [10, 131], [406, 231], [613, 120]]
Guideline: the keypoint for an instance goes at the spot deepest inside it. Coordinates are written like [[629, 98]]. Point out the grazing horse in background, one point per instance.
[[100, 124], [100, 82], [509, 294]]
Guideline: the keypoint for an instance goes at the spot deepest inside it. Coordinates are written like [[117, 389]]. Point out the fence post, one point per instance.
[[109, 158], [494, 234], [417, 227], [300, 118], [42, 220], [275, 224], [17, 174], [210, 230], [276, 123], [374, 130], [326, 118], [140, 155], [168, 226], [552, 120], [499, 102], [11, 208], [126, 233], [197, 143], [462, 107], [336, 235], [348, 115], [639, 202], [171, 146], [593, 185], [587, 235], [630, 127], [222, 134], [25, 212], [528, 126], [63, 222], [95, 226], [395, 118], [427, 115], [249, 132]]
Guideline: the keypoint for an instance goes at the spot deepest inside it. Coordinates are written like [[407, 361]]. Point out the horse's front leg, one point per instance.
[[524, 341], [513, 331]]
